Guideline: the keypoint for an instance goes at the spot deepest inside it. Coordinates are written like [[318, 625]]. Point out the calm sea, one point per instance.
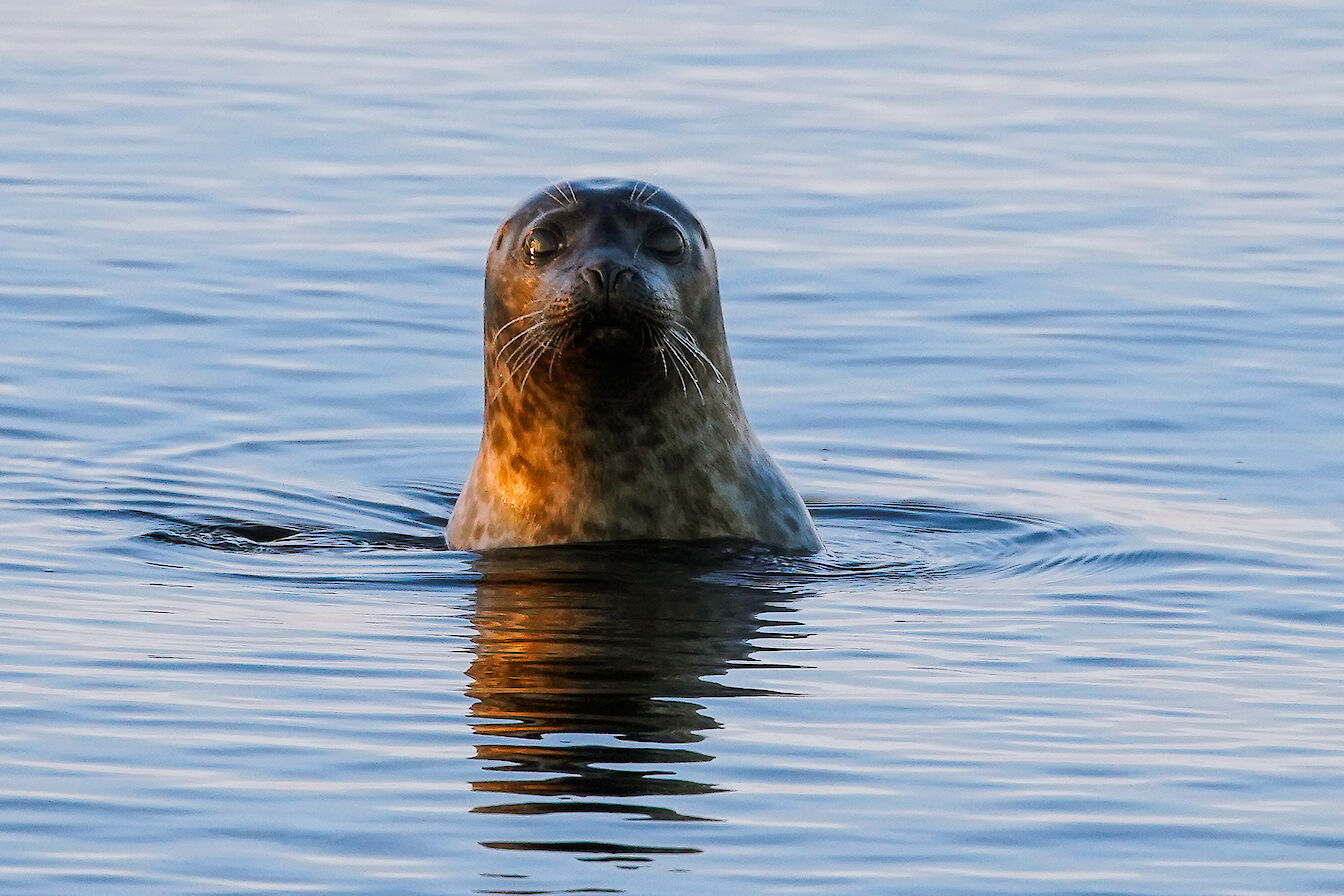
[[1041, 306]]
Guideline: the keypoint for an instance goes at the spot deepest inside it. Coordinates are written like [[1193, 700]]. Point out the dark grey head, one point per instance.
[[607, 280]]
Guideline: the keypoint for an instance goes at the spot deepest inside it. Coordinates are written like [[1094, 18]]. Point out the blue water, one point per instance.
[[1041, 306]]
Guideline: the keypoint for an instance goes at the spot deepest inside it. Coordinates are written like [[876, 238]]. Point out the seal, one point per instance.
[[611, 410]]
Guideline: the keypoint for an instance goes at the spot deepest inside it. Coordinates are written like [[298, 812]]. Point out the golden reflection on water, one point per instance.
[[590, 668]]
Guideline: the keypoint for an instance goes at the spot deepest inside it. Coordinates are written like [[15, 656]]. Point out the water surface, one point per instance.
[[1039, 306]]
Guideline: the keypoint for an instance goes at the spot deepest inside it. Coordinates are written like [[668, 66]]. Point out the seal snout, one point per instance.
[[611, 292]]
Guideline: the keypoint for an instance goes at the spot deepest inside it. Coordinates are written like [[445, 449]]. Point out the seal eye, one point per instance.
[[667, 243], [540, 244]]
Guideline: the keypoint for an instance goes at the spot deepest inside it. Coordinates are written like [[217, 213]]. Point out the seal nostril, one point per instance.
[[606, 276], [596, 278]]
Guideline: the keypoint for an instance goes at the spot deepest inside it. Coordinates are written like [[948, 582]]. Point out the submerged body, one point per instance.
[[611, 411]]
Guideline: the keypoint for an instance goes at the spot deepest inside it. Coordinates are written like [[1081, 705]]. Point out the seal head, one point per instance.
[[611, 411]]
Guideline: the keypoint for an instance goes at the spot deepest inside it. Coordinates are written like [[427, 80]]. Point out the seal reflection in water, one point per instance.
[[594, 673], [611, 411]]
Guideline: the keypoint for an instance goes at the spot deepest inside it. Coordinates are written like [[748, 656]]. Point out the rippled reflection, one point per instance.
[[590, 668]]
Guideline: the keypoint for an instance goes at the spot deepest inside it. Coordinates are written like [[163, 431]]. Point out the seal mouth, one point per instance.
[[609, 336], [610, 333]]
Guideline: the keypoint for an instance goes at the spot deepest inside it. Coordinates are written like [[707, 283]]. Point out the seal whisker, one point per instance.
[[541, 348], [676, 368], [685, 339], [681, 363], [503, 376], [649, 336], [560, 334], [695, 380], [523, 360], [503, 352], [522, 386], [523, 351], [522, 317], [653, 341]]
